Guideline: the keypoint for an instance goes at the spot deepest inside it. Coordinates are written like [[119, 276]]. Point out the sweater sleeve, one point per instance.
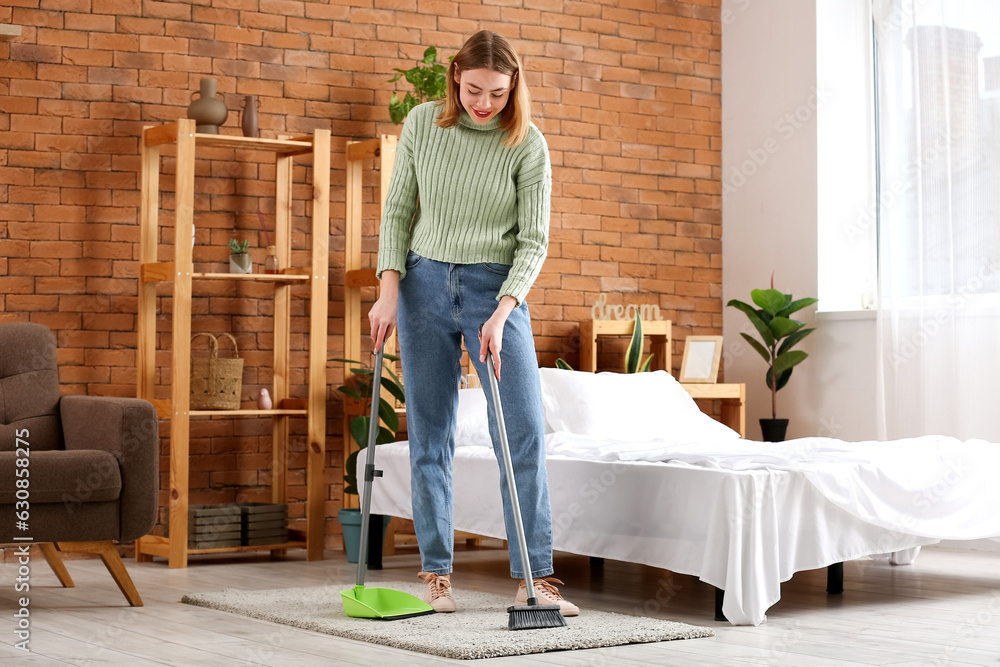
[[534, 198], [400, 204]]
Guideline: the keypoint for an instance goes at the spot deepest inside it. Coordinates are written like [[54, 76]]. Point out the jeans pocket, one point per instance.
[[412, 260], [497, 269]]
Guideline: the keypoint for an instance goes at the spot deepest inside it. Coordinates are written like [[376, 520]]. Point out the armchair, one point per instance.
[[79, 473]]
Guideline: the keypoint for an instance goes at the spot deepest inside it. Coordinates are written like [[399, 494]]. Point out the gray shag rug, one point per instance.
[[477, 630]]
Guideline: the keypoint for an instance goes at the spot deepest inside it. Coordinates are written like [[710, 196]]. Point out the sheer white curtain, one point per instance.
[[938, 71]]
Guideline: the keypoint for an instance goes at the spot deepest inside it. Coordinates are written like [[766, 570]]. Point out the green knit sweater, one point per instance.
[[479, 201]]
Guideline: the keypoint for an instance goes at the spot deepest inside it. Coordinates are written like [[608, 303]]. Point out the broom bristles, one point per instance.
[[534, 617]]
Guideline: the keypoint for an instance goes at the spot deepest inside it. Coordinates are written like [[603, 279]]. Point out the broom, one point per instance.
[[532, 616]]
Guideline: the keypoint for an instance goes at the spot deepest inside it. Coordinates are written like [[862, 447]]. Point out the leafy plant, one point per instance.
[[778, 332], [360, 388], [633, 355], [429, 81], [238, 247]]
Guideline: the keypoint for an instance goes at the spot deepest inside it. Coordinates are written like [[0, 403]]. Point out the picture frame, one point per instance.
[[700, 363]]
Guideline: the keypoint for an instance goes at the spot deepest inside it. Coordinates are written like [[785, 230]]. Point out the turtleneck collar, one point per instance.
[[466, 121]]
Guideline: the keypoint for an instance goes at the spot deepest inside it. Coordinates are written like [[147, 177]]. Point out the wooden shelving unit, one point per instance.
[[383, 151], [181, 275]]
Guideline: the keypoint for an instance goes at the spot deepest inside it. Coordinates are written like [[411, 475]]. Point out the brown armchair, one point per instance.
[[79, 473]]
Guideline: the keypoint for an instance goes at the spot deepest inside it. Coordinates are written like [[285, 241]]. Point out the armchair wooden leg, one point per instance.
[[109, 554], [55, 561]]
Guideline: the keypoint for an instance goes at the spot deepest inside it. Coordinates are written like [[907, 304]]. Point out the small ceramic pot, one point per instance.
[[240, 263]]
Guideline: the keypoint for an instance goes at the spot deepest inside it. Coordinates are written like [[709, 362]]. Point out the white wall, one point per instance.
[[775, 158]]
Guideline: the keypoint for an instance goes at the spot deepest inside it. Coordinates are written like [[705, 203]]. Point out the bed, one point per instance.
[[638, 473]]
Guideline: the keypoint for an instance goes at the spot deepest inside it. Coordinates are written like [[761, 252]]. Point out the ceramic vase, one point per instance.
[[250, 121], [208, 111]]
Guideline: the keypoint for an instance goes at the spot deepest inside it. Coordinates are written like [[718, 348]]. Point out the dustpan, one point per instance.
[[380, 603]]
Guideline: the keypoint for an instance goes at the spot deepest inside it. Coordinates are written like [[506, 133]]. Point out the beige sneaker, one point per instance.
[[546, 593], [438, 593]]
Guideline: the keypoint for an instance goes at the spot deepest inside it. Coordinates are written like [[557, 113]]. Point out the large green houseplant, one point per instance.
[[779, 333], [429, 81], [359, 389]]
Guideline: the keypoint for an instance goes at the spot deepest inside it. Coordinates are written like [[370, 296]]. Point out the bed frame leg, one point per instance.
[[596, 561], [719, 594], [835, 579]]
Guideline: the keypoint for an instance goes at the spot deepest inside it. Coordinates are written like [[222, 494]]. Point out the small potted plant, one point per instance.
[[429, 81], [633, 354], [778, 335], [239, 258], [359, 390]]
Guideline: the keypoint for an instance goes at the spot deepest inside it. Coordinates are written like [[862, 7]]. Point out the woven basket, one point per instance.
[[216, 384]]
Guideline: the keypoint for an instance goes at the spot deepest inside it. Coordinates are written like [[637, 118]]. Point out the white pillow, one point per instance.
[[472, 426], [625, 407]]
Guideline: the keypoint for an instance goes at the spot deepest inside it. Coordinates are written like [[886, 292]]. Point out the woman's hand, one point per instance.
[[382, 316], [491, 335]]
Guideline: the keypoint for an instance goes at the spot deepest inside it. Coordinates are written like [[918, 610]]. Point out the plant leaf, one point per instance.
[[384, 436], [563, 365], [783, 379], [633, 355], [350, 471], [755, 319], [755, 344], [782, 326], [350, 392], [394, 389], [388, 414], [790, 342], [785, 361], [645, 365], [771, 300], [796, 305], [430, 55], [359, 431]]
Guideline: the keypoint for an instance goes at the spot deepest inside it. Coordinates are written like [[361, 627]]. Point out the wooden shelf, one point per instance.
[[165, 134], [248, 413], [8, 31], [180, 274], [156, 545], [163, 271]]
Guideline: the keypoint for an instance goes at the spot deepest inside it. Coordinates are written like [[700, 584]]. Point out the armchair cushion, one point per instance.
[[126, 428], [29, 386], [64, 477]]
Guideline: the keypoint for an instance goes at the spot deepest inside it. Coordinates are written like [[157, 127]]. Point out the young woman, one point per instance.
[[457, 263]]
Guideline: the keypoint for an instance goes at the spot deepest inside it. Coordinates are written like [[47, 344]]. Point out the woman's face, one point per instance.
[[483, 93]]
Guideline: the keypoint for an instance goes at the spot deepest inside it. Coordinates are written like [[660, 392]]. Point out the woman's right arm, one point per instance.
[[382, 316]]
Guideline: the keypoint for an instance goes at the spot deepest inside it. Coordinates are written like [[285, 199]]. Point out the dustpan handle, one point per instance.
[[370, 472]]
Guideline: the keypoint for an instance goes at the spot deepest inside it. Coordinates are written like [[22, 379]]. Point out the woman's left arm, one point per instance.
[[491, 335], [534, 194]]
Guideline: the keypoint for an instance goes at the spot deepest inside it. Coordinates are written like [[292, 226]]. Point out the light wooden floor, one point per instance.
[[943, 610]]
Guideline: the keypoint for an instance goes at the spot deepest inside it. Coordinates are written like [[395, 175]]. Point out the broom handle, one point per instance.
[[509, 474], [366, 501]]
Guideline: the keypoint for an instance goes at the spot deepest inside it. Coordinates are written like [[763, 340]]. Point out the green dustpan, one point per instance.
[[380, 603]]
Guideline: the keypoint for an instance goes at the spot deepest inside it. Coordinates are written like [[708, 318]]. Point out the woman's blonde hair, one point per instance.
[[488, 50]]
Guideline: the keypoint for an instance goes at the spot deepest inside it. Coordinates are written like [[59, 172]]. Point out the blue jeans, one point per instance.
[[439, 304]]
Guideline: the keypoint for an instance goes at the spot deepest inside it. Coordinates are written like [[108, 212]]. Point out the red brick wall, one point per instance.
[[627, 94]]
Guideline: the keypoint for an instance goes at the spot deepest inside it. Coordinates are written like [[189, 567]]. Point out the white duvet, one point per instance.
[[932, 486]]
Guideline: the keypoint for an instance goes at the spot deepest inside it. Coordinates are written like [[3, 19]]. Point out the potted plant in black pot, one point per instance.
[[359, 390], [779, 334]]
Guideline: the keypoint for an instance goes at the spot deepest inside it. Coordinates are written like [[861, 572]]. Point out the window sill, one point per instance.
[[846, 315]]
